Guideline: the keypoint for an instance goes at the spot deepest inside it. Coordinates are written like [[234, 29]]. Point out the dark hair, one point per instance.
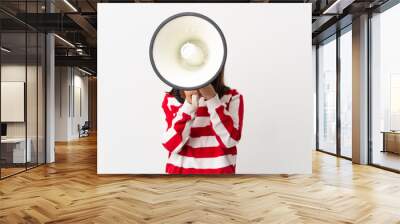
[[218, 84]]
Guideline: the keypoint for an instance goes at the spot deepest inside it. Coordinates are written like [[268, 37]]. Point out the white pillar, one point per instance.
[[50, 91], [360, 90]]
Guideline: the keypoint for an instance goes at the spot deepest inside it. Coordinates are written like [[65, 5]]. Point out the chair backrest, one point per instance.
[[86, 124]]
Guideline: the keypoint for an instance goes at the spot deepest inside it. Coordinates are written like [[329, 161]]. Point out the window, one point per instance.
[[385, 89], [346, 93], [334, 106], [327, 96], [22, 77]]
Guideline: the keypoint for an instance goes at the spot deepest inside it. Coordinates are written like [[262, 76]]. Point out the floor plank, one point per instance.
[[70, 191]]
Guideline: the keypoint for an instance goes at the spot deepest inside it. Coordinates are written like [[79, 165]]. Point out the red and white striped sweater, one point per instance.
[[203, 140]]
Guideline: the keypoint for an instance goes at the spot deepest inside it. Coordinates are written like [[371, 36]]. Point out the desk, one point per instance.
[[391, 141], [13, 150]]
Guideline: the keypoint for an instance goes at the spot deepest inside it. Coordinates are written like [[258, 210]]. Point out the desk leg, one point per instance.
[[384, 142]]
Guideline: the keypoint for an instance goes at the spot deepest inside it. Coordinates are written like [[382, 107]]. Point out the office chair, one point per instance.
[[84, 130]]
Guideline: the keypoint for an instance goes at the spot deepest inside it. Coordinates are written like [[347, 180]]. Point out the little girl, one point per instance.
[[203, 139]]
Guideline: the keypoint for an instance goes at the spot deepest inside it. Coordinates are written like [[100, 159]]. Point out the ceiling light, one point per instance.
[[84, 71], [64, 40], [79, 51], [70, 5], [5, 50], [338, 6]]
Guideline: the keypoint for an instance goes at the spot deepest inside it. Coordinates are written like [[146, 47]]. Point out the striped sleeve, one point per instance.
[[227, 118], [178, 124]]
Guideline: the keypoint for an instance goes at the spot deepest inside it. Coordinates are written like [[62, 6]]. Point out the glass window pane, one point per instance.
[[22, 89], [386, 89], [327, 96], [32, 95], [41, 98], [31, 88], [346, 94], [14, 153]]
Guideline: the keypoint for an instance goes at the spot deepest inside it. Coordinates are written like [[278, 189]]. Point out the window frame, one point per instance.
[[334, 37]]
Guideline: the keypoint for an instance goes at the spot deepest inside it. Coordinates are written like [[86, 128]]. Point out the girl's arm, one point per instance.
[[227, 119], [178, 125]]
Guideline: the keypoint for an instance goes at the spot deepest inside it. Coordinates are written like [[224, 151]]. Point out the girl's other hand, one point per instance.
[[208, 92], [189, 94]]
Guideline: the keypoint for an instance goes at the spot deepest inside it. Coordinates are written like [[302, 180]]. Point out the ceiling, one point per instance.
[[76, 22]]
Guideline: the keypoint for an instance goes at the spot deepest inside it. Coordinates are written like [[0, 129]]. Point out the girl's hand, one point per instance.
[[208, 92], [189, 94]]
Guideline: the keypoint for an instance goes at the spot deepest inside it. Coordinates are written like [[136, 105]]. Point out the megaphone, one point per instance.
[[188, 51]]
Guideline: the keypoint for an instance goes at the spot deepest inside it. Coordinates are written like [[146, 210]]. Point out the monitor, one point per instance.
[[3, 129]]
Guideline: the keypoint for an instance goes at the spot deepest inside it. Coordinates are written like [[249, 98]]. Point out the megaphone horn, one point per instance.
[[188, 51]]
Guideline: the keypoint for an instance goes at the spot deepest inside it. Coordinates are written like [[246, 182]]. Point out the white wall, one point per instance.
[[80, 84], [17, 73], [62, 80], [68, 81], [269, 65]]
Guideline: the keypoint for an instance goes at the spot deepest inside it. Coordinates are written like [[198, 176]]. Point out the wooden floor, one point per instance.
[[5, 172], [386, 159], [70, 191]]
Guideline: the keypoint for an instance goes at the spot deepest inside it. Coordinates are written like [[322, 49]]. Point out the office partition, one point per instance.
[[22, 77]]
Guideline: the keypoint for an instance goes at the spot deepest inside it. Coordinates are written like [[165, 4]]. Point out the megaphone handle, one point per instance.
[[195, 99]]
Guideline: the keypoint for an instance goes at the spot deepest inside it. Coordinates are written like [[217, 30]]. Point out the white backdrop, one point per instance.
[[269, 62]]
